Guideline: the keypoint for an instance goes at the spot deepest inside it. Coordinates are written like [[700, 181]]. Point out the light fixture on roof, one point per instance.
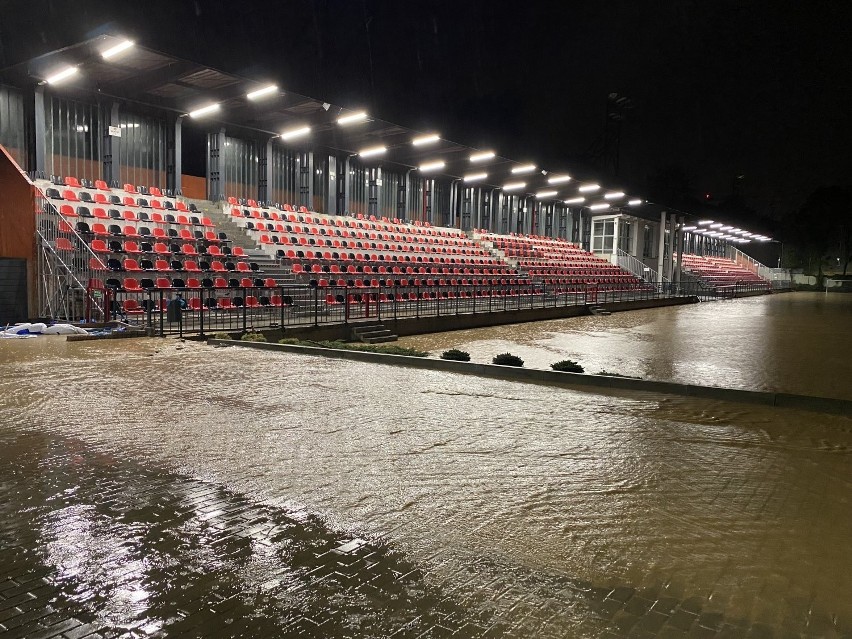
[[260, 93], [210, 108], [705, 222], [635, 202], [524, 168], [121, 47], [558, 179], [431, 138], [575, 200], [541, 195], [295, 133], [600, 206], [475, 176], [372, 151], [352, 119], [689, 228], [481, 157], [615, 195], [433, 166], [588, 188], [514, 186], [717, 225], [726, 228], [66, 73]]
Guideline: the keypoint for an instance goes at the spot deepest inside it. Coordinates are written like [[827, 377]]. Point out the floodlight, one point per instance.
[[352, 119], [373, 150], [614, 195], [481, 157], [119, 48], [514, 186], [66, 73], [433, 166], [575, 200], [426, 139], [254, 95], [210, 108], [541, 195], [599, 207], [558, 179], [295, 133], [475, 176], [524, 168], [588, 188]]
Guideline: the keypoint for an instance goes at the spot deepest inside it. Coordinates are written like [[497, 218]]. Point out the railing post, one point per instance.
[[281, 299], [160, 311], [316, 306], [201, 312]]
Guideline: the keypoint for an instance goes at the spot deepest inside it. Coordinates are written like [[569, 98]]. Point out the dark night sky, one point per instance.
[[720, 88]]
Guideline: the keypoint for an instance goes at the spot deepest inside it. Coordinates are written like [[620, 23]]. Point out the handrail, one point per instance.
[[637, 267]]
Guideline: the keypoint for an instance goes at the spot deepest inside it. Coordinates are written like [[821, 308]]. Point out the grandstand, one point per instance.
[[384, 220]]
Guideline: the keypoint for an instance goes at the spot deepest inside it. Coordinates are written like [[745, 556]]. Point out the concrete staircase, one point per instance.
[[373, 334], [269, 266]]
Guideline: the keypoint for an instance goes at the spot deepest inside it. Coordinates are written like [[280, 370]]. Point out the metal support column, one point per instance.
[[679, 264], [403, 195], [306, 181], [264, 172], [661, 245], [40, 142], [111, 147], [671, 245], [428, 185], [215, 149], [372, 191], [174, 155]]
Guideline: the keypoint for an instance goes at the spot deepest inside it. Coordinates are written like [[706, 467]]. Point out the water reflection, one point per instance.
[[792, 342], [486, 484]]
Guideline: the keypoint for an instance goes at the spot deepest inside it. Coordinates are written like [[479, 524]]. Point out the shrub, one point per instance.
[[221, 336], [289, 340], [387, 349], [253, 337], [456, 355], [507, 359], [567, 366]]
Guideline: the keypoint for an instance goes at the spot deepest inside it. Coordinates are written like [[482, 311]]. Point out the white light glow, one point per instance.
[[119, 48], [475, 176], [210, 108], [433, 166], [575, 200], [546, 194], [717, 225], [616, 195], [558, 179], [589, 188], [481, 157], [66, 73], [705, 222], [524, 168], [599, 207], [514, 186], [635, 202], [352, 119], [726, 228], [373, 150], [295, 133], [689, 228], [254, 95], [426, 139]]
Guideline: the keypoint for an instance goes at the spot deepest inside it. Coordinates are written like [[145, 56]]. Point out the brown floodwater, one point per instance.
[[791, 342], [485, 482]]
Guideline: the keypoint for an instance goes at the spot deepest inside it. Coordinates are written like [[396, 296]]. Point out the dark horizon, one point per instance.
[[717, 92]]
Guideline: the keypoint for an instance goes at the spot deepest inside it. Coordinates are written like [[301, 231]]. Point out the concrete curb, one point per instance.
[[577, 381]]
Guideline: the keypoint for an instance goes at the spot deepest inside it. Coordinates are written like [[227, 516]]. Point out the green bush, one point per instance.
[[289, 340], [456, 355], [507, 359], [567, 366], [387, 349], [221, 336], [253, 337]]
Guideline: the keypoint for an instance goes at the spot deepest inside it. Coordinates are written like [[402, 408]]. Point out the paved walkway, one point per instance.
[[93, 546]]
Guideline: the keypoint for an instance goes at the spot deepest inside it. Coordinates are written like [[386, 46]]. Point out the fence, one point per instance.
[[209, 310]]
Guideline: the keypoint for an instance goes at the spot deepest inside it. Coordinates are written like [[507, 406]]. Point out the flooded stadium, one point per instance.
[[157, 487]]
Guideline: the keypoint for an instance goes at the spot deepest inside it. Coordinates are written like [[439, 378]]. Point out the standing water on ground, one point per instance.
[[791, 342]]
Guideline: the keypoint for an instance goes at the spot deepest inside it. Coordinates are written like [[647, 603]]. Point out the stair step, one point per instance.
[[358, 330], [373, 334]]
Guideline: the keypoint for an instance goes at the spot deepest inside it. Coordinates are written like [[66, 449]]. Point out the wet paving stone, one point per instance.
[[93, 546]]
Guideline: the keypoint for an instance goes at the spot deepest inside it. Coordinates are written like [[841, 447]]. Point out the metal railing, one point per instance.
[[637, 267], [202, 311], [65, 265]]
